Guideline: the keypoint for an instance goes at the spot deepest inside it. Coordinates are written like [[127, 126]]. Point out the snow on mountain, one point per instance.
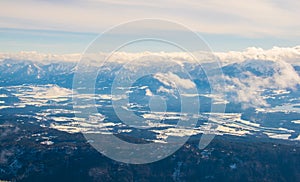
[[53, 91], [251, 78], [288, 54], [248, 74], [40, 57], [13, 72]]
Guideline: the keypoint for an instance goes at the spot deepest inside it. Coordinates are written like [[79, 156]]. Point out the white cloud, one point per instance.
[[248, 89], [250, 18], [163, 89], [174, 81], [287, 54]]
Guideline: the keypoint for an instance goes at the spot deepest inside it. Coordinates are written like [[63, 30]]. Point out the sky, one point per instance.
[[68, 26]]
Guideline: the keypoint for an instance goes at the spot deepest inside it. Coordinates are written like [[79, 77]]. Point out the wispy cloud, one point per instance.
[[247, 18]]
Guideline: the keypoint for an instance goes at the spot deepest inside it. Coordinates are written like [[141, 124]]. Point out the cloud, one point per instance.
[[248, 87], [287, 54], [174, 81], [165, 90], [248, 18]]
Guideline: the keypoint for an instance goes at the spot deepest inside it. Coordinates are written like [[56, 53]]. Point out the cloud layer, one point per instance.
[[287, 54], [248, 18]]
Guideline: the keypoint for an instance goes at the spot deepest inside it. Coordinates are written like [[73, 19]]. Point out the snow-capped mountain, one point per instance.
[[261, 68], [14, 72], [253, 88], [247, 82]]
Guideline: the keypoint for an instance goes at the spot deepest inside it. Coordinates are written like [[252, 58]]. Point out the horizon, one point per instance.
[[61, 27], [65, 42]]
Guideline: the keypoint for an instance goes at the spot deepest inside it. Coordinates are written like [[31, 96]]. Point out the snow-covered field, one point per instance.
[[54, 108]]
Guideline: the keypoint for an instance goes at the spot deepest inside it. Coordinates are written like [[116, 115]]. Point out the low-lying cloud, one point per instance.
[[247, 87]]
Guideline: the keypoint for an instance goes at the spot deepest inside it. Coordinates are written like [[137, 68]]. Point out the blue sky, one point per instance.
[[69, 26]]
